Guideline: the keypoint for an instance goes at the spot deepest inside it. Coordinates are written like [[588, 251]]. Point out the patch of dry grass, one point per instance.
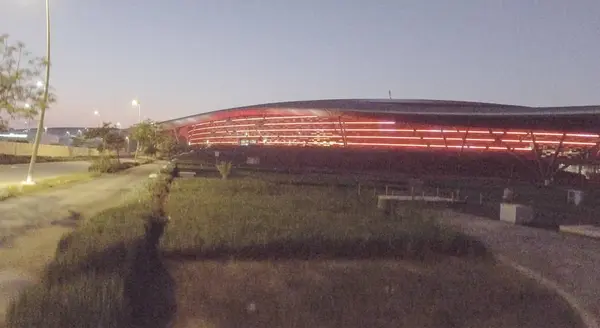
[[45, 184], [369, 293]]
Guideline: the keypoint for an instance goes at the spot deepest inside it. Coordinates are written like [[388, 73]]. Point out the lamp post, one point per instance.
[[136, 103], [97, 114], [46, 85], [27, 106]]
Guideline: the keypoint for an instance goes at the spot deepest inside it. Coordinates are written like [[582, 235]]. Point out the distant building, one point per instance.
[[51, 135]]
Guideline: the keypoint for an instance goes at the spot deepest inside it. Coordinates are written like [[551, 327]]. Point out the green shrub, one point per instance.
[[225, 169], [105, 164]]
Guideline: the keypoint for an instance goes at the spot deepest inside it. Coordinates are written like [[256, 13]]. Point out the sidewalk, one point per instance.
[[568, 261]]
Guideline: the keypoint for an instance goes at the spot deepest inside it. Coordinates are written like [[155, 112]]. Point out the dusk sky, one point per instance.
[[182, 57]]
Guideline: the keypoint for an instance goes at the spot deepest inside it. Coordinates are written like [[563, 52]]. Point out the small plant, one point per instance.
[[225, 169], [103, 164]]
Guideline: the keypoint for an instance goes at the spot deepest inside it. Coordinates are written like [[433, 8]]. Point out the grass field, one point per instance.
[[246, 252], [251, 218], [483, 195], [370, 293], [254, 253]]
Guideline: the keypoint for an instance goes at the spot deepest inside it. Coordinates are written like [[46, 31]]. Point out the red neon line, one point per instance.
[[224, 126]]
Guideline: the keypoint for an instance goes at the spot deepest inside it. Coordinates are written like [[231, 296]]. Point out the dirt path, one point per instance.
[[37, 210], [28, 238]]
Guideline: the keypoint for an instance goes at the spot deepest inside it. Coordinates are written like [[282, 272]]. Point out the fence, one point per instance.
[[25, 149]]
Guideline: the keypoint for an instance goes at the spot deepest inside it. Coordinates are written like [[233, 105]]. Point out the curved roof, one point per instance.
[[424, 111]]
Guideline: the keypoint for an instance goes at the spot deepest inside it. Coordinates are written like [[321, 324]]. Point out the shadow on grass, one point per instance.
[[327, 249], [149, 287], [149, 290], [351, 294]]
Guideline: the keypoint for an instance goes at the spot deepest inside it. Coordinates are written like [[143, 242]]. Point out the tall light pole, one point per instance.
[[97, 114], [136, 103], [38, 133], [27, 106]]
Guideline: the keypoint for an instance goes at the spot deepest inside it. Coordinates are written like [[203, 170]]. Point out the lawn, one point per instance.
[[246, 252], [251, 218], [355, 294], [254, 253]]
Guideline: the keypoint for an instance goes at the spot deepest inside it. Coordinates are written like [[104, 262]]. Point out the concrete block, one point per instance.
[[516, 213], [187, 174]]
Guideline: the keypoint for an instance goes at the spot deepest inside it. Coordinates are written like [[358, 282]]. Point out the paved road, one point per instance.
[[568, 261], [14, 174]]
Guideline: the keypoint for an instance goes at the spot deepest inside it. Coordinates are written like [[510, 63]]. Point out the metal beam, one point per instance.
[[342, 131], [509, 150], [464, 141], [537, 157], [555, 156]]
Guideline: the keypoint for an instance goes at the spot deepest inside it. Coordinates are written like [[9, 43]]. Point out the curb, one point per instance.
[[589, 320], [588, 231]]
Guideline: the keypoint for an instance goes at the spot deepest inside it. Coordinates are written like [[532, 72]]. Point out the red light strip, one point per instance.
[[553, 142], [195, 131], [271, 118], [329, 122], [412, 138], [382, 144], [224, 126], [432, 146], [372, 144]]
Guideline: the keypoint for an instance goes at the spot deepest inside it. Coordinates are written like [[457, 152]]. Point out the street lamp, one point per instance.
[[46, 86], [136, 103], [97, 114]]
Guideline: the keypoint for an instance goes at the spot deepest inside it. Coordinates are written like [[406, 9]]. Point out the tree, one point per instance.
[[109, 136], [153, 140], [20, 78], [145, 134]]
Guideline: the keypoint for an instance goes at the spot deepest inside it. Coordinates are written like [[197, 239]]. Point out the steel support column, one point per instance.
[[342, 131], [551, 170], [509, 150], [535, 150], [464, 141]]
